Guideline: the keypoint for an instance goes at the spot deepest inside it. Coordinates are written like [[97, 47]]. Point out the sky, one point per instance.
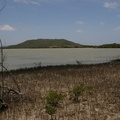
[[87, 22]]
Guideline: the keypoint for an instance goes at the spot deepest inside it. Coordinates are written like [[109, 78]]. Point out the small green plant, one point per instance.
[[39, 64], [52, 101], [53, 98], [50, 110], [79, 91], [78, 62]]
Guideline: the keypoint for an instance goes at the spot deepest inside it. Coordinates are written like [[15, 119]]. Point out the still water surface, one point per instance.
[[21, 58]]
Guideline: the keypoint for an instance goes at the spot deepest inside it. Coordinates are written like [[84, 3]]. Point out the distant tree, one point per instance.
[[114, 45]]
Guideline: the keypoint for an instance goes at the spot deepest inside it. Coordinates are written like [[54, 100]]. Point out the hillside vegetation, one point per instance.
[[46, 43], [57, 43], [114, 45]]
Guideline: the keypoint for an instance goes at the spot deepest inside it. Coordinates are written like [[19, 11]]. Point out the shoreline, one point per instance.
[[77, 65], [103, 102]]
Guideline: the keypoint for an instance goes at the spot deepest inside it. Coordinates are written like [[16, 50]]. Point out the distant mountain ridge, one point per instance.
[[46, 43]]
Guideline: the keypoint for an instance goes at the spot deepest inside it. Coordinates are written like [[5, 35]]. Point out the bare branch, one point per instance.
[[1, 63], [3, 6], [12, 77], [10, 90], [6, 90]]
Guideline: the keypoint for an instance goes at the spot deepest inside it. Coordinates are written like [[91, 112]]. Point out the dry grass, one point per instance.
[[102, 103]]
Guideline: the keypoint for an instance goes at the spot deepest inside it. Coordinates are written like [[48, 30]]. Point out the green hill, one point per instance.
[[57, 43], [46, 43]]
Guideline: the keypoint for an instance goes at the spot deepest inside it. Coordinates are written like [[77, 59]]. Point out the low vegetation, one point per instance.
[[53, 100], [78, 91], [101, 100], [114, 45]]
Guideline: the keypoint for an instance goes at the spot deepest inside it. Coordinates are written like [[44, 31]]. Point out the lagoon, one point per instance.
[[22, 58]]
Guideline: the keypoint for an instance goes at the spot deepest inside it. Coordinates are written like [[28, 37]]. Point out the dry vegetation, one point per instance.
[[101, 103]]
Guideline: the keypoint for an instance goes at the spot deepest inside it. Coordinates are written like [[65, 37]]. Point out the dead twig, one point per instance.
[[10, 90], [12, 78], [3, 6]]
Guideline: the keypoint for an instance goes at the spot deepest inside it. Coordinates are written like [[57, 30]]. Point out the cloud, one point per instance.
[[79, 31], [23, 1], [117, 28], [35, 2], [112, 5], [118, 16], [102, 23], [80, 22], [7, 28]]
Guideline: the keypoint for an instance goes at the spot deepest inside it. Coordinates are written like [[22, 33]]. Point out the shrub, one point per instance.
[[50, 110], [52, 101], [53, 98], [78, 62], [39, 64], [79, 91]]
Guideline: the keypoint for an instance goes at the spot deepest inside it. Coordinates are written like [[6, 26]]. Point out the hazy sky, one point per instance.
[[91, 22]]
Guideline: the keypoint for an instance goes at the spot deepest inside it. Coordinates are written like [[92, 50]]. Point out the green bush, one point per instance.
[[79, 91], [53, 98], [52, 101]]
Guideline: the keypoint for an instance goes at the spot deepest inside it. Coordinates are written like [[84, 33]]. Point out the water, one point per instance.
[[21, 58]]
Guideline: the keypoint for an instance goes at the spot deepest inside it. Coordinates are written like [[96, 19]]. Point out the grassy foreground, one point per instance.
[[101, 103]]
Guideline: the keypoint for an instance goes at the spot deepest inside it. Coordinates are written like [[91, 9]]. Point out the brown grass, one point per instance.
[[101, 103]]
